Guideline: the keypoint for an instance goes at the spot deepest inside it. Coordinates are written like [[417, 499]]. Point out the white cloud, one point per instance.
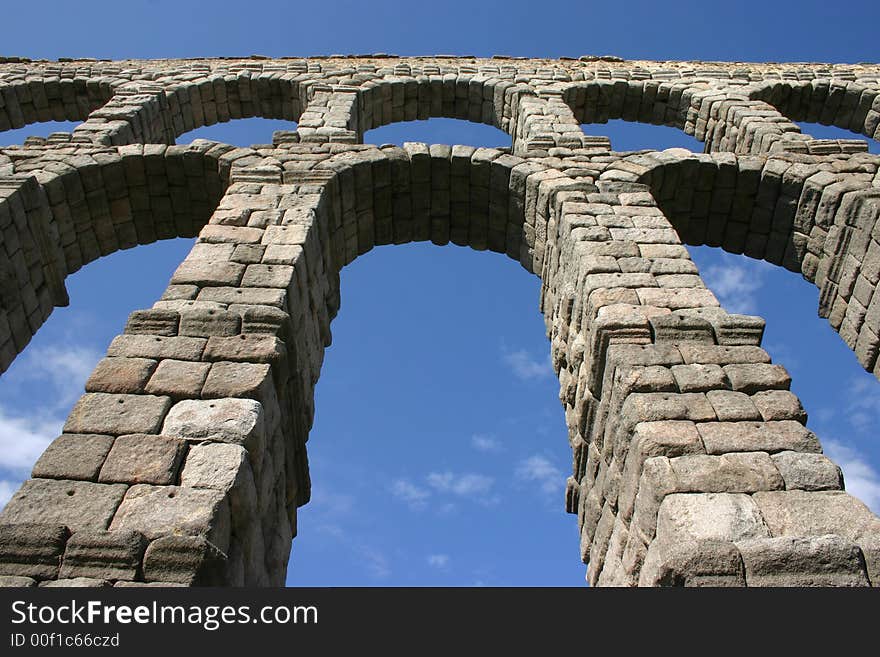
[[7, 488], [439, 561], [65, 368], [376, 562], [540, 470], [525, 367], [23, 439], [485, 443], [460, 484], [735, 280], [409, 493], [862, 480]]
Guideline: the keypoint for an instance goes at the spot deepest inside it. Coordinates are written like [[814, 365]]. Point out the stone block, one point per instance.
[[153, 321], [143, 459], [76, 504], [188, 560], [266, 320], [120, 375], [249, 380], [103, 413], [715, 563], [31, 550], [808, 471], [779, 405], [268, 276], [699, 378], [803, 561], [73, 456], [753, 377], [685, 517], [178, 379], [738, 472], [209, 321], [207, 272], [106, 555], [229, 420], [156, 511], [249, 348], [722, 437], [157, 347], [14, 581], [732, 406]]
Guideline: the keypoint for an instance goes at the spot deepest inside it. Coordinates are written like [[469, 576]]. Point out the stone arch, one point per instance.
[[38, 99], [475, 98], [791, 210], [722, 117], [88, 206], [845, 103]]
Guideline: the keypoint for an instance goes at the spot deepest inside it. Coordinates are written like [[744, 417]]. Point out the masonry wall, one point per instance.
[[185, 460]]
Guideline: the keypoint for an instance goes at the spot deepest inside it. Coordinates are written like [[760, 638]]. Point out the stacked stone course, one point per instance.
[[185, 460]]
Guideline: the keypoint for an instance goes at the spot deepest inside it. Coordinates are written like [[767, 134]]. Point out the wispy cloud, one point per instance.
[[526, 367], [23, 439], [442, 487], [862, 480], [735, 280], [539, 470], [376, 562], [439, 561], [486, 443], [65, 368], [464, 484], [409, 493]]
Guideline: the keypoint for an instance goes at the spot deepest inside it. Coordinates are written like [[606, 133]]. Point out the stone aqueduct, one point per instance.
[[184, 462]]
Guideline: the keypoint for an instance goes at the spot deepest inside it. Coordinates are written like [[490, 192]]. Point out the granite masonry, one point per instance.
[[184, 462]]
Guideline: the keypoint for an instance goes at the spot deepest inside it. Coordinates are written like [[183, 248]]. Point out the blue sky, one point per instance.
[[439, 451]]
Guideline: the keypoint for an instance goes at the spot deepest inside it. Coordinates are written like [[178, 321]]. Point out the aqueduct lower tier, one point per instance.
[[184, 462]]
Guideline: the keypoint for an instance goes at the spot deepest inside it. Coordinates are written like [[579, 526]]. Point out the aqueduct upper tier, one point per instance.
[[184, 462]]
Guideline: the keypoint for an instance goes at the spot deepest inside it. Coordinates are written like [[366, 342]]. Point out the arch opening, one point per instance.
[[494, 435], [439, 131], [638, 136], [240, 132]]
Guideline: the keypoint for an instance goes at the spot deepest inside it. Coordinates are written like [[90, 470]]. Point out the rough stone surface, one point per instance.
[[105, 555], [143, 459], [117, 414], [74, 456], [74, 504]]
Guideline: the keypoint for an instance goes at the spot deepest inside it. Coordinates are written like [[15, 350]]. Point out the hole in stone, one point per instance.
[[439, 131], [632, 136], [70, 493], [120, 401], [170, 495], [158, 339], [210, 312], [243, 337]]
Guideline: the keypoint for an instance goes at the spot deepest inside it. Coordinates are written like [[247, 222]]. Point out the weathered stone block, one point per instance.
[[188, 560], [106, 555], [73, 456], [249, 380], [743, 472], [153, 321], [230, 420], [709, 516], [103, 413], [245, 348], [753, 377], [808, 471], [732, 406], [699, 378], [157, 347], [779, 405], [209, 321], [76, 583], [156, 511], [722, 437], [120, 375], [143, 459], [178, 379], [31, 550], [803, 561], [692, 563], [76, 504]]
